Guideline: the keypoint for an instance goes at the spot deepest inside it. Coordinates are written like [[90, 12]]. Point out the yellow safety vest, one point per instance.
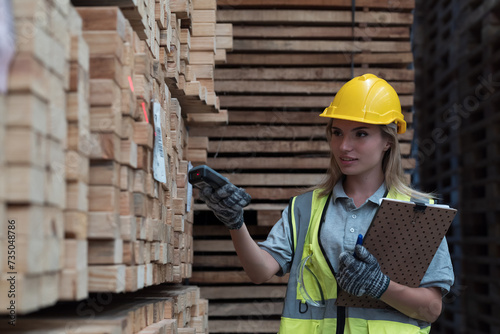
[[306, 215]]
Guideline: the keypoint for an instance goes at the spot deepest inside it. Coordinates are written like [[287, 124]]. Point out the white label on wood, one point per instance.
[[159, 172]]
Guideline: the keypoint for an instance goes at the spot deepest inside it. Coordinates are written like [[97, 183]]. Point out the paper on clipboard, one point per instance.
[[403, 237]]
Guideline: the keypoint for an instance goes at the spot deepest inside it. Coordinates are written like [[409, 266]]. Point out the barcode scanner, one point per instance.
[[202, 176]]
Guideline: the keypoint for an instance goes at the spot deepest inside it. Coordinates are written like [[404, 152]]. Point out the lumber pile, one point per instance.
[[95, 147], [34, 114], [169, 310], [288, 60]]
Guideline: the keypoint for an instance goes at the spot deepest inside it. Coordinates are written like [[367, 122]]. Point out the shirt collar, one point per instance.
[[338, 192]]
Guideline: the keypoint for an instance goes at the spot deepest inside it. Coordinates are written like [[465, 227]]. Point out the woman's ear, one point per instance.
[[387, 146]]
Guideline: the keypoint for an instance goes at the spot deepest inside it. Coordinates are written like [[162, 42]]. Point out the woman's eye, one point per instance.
[[336, 133], [361, 134]]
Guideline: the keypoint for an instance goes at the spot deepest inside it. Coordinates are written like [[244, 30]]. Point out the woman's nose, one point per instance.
[[346, 144]]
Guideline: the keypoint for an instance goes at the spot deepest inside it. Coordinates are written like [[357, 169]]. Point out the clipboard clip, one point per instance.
[[418, 209]]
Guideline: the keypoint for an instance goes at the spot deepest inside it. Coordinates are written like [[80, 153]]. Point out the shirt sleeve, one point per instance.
[[440, 272], [279, 243]]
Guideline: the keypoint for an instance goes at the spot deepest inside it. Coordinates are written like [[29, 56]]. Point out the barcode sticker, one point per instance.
[[159, 171]]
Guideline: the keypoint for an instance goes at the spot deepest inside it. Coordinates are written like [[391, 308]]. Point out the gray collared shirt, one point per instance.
[[343, 223]]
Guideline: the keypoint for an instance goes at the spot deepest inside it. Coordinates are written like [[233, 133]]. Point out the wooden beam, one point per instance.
[[297, 146], [260, 131], [276, 117], [243, 292], [320, 32], [320, 46], [387, 4], [282, 179], [288, 87], [229, 277], [217, 261], [107, 278], [244, 325], [266, 307], [311, 73], [300, 59], [304, 162], [290, 101], [327, 17]]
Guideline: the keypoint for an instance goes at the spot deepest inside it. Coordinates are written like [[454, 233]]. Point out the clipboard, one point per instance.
[[403, 237]]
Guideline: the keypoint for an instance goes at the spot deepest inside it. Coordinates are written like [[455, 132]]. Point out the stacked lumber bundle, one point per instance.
[[34, 113], [167, 310], [74, 276], [288, 60], [96, 151]]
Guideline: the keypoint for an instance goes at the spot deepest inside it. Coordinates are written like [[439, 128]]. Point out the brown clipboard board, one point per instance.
[[403, 237]]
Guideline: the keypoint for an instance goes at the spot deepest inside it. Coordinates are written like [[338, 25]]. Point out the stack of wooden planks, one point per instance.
[[95, 150], [288, 60], [168, 310], [32, 236]]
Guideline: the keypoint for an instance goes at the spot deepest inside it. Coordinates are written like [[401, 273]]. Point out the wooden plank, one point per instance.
[[219, 230], [103, 225], [214, 246], [107, 278], [329, 59], [103, 18], [104, 173], [244, 326], [288, 87], [282, 179], [274, 193], [320, 46], [292, 101], [105, 43], [250, 207], [276, 117], [260, 131], [244, 309], [268, 146], [268, 218], [327, 17], [311, 73], [213, 118], [243, 292], [105, 251], [387, 4], [242, 31], [104, 198], [216, 261], [203, 29], [300, 162], [25, 184], [229, 277]]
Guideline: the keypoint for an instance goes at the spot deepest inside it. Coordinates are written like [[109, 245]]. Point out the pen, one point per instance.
[[358, 242]]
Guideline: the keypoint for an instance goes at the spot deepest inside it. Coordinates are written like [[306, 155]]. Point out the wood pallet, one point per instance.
[[287, 62], [459, 61]]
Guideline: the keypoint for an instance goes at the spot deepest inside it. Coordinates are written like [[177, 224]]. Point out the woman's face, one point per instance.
[[358, 148]]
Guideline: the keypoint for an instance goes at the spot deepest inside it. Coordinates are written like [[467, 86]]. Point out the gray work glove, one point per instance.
[[361, 275], [227, 203]]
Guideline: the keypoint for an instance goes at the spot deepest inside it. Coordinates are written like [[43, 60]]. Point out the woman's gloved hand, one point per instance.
[[361, 275], [227, 204]]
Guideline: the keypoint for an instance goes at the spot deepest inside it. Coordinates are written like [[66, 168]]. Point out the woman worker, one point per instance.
[[315, 240]]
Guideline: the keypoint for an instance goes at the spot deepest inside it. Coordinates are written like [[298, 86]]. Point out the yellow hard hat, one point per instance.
[[367, 99]]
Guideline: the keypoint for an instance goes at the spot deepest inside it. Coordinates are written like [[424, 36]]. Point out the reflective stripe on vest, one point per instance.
[[305, 216]]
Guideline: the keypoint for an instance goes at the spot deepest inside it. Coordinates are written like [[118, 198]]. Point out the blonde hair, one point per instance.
[[391, 166]]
